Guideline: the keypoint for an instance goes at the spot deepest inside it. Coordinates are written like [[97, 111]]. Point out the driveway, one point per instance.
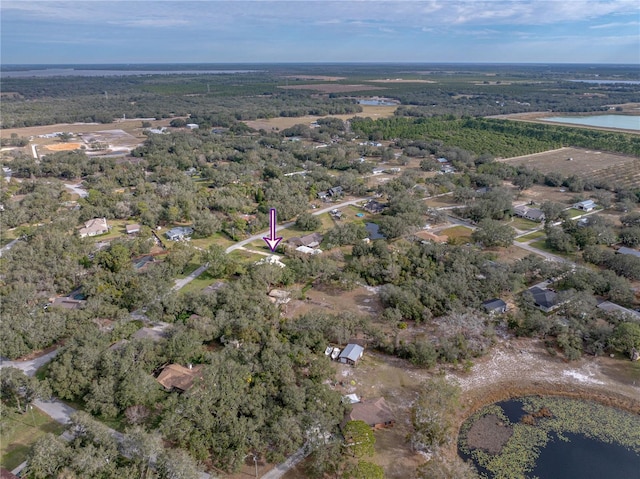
[[30, 366]]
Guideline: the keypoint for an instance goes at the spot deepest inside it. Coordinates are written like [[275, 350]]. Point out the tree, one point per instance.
[[431, 414], [625, 337], [47, 456], [19, 390], [177, 464], [363, 470], [440, 467], [493, 233], [358, 438], [308, 222], [630, 236]]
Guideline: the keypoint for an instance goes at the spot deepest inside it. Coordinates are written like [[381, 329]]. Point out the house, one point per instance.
[[94, 227], [311, 240], [67, 302], [533, 214], [610, 307], [375, 412], [193, 126], [271, 259], [373, 206], [154, 333], [586, 205], [495, 306], [442, 160], [178, 378], [351, 354], [179, 233], [447, 169], [335, 191], [307, 250], [132, 229], [545, 299], [6, 474], [323, 195], [628, 251], [279, 296]]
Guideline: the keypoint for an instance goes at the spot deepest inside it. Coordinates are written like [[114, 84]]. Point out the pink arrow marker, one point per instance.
[[271, 240]]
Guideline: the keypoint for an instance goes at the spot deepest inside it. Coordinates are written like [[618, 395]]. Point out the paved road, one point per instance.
[[259, 236], [281, 469], [30, 366], [182, 282], [8, 246]]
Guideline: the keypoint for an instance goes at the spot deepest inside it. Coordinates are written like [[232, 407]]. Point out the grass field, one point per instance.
[[20, 431], [530, 236], [457, 232], [523, 224]]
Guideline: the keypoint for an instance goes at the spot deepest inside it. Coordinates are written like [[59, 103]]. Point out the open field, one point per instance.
[[372, 111], [620, 170], [133, 127], [63, 146], [20, 431], [401, 80]]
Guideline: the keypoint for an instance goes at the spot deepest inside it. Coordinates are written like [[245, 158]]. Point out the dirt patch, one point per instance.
[[400, 80], [618, 169], [64, 146], [489, 433], [332, 87]]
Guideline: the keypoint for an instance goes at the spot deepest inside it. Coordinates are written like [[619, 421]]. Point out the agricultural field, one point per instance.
[[281, 123], [617, 169]]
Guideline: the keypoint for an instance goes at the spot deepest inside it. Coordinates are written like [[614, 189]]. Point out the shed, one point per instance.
[[375, 412], [351, 354], [495, 306], [132, 229], [586, 205]]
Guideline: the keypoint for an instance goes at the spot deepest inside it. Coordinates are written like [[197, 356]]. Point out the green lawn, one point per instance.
[[542, 245], [20, 431], [201, 282], [523, 224], [530, 236]]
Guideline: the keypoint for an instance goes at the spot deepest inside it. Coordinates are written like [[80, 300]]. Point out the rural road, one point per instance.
[[30, 366], [259, 236], [281, 469], [8, 246]]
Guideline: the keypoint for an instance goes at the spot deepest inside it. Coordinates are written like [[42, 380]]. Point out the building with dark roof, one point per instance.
[[375, 412], [544, 299], [495, 306]]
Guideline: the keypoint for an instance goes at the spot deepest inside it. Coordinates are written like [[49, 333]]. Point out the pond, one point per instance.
[[372, 229], [552, 437]]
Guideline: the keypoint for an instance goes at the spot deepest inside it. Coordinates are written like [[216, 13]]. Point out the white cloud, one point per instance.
[[615, 25]]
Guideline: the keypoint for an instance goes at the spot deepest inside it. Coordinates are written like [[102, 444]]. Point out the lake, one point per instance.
[[627, 122], [553, 437], [72, 72]]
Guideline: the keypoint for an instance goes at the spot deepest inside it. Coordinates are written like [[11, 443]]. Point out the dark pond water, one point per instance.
[[585, 458], [580, 458], [372, 229]]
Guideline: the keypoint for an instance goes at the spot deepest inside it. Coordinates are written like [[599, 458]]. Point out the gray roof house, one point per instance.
[[629, 251], [533, 214], [610, 307], [351, 354], [545, 299], [586, 205], [495, 306], [335, 191], [179, 233]]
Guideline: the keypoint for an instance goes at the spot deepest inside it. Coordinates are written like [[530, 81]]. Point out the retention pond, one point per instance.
[[550, 438]]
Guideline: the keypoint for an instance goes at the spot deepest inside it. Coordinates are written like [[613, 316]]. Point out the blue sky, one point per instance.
[[230, 31]]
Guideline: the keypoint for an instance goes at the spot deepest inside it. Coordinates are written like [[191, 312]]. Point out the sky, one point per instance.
[[263, 31]]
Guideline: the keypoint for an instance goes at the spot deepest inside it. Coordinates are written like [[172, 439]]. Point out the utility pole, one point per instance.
[[255, 461]]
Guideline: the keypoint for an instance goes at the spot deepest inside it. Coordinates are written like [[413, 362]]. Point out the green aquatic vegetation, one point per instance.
[[569, 416]]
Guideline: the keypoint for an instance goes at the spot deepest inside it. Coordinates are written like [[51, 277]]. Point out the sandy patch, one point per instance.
[[64, 146]]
